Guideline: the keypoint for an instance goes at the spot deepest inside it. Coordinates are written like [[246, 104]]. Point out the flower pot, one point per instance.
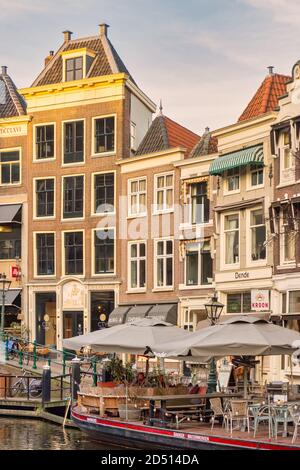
[[132, 414]]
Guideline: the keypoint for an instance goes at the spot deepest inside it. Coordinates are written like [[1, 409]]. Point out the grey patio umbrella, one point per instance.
[[239, 336], [131, 338]]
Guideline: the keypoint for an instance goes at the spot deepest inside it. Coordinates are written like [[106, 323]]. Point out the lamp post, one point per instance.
[[213, 309], [5, 283]]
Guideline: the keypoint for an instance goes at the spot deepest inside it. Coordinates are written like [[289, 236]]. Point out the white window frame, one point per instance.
[[93, 252], [164, 191], [63, 259], [74, 54], [93, 194], [164, 257], [42, 160], [35, 274], [71, 219], [250, 261], [225, 265], [194, 286], [103, 154], [137, 259], [283, 261], [285, 148], [138, 193], [63, 164], [35, 216], [250, 172], [12, 149], [226, 185]]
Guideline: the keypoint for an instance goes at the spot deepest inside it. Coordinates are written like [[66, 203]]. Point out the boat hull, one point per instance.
[[139, 436]]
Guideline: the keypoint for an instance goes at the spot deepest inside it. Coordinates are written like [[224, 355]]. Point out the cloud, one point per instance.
[[281, 11]]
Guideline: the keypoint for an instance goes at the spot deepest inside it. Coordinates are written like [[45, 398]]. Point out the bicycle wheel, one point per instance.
[[18, 388], [35, 388]]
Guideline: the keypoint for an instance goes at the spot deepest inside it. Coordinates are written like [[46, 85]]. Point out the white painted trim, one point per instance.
[[41, 160], [93, 127], [35, 217], [66, 165], [138, 259], [63, 270], [62, 198], [164, 189], [129, 194], [12, 149], [102, 275], [101, 214], [35, 274], [165, 256], [223, 265]]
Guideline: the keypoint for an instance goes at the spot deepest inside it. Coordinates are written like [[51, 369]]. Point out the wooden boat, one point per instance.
[[137, 435]]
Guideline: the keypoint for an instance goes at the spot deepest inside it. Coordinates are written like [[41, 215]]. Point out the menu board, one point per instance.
[[224, 376]]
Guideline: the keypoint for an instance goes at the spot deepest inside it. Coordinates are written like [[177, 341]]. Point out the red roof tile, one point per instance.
[[266, 97], [163, 134]]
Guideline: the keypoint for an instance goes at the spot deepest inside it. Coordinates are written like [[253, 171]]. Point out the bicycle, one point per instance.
[[31, 387]]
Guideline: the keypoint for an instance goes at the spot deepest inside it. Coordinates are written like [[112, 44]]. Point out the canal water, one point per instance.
[[31, 434]]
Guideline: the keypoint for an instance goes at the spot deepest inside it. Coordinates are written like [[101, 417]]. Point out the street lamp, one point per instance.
[[213, 309], [5, 283]]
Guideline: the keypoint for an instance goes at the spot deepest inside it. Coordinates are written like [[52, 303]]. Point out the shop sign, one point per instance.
[[14, 271], [260, 300]]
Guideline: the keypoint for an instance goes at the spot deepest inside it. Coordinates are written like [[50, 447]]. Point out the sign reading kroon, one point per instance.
[[12, 131], [260, 300]]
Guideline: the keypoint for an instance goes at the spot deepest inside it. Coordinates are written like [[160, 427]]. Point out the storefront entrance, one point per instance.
[[72, 324], [45, 307]]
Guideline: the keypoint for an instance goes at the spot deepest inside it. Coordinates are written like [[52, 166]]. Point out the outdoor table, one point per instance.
[[284, 407], [163, 399]]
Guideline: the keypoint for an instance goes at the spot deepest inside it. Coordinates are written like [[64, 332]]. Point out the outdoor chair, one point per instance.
[[281, 415], [261, 414], [218, 412], [238, 413], [295, 414]]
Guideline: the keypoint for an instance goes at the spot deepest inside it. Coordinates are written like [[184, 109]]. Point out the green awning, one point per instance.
[[236, 159]]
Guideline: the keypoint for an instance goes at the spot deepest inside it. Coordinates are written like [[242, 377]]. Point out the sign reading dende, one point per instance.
[[260, 300]]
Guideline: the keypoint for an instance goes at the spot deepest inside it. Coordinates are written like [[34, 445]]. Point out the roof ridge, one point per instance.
[[49, 64], [183, 127], [164, 130]]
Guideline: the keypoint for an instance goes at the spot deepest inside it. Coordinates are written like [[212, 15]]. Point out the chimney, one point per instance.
[[67, 35], [206, 130], [49, 57], [103, 27], [271, 69], [4, 70]]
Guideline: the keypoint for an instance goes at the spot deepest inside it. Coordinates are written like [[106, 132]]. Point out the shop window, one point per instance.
[[239, 303]]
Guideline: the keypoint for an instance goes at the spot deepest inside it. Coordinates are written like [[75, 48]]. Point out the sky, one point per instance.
[[203, 58]]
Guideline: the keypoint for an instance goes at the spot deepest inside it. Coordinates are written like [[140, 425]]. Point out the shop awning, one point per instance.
[[137, 312], [118, 315], [10, 213], [11, 298], [240, 158], [164, 312]]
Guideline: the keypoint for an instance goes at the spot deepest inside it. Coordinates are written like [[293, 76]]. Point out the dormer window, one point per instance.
[[77, 63], [74, 69]]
